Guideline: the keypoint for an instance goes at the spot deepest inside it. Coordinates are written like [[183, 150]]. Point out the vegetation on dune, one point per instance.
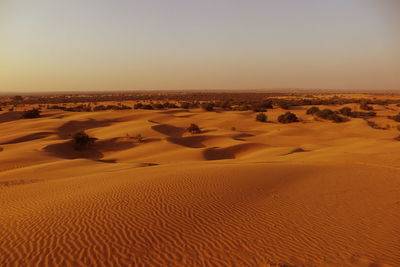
[[17, 98], [82, 140], [283, 104], [395, 117], [346, 111], [312, 110], [261, 117], [193, 129], [364, 106], [31, 114], [328, 114], [138, 138], [207, 106], [288, 117]]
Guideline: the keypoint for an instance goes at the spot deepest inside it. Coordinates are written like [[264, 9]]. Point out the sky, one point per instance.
[[65, 45]]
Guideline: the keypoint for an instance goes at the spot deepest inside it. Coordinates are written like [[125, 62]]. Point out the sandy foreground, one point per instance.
[[313, 193]]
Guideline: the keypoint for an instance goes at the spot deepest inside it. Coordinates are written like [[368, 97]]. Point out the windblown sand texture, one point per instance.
[[312, 193]]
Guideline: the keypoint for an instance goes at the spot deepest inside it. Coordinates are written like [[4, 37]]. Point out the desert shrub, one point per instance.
[[258, 108], [17, 98], [346, 111], [169, 105], [398, 127], [79, 108], [376, 126], [158, 106], [328, 114], [365, 106], [288, 117], [262, 106], [147, 106], [184, 105], [325, 113], [360, 114], [138, 106], [312, 110], [267, 105], [207, 106], [82, 140], [233, 128], [336, 118], [193, 129], [56, 107], [284, 105], [31, 114], [261, 117], [395, 117], [139, 138]]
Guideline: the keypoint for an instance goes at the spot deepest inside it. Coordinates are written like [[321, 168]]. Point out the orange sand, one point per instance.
[[305, 194]]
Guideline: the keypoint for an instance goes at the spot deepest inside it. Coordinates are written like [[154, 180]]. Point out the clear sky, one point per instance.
[[199, 44]]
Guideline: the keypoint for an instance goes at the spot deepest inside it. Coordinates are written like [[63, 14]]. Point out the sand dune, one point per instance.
[[311, 193]]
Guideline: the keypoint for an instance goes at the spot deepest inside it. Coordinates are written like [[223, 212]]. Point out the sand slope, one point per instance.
[[305, 194]]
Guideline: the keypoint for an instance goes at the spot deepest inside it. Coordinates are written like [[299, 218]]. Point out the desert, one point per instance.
[[200, 179]]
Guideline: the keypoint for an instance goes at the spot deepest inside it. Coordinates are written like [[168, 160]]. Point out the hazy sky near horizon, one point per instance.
[[185, 44]]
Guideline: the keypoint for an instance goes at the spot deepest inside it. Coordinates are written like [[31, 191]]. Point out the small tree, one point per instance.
[[193, 129], [83, 140], [288, 117], [261, 117]]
